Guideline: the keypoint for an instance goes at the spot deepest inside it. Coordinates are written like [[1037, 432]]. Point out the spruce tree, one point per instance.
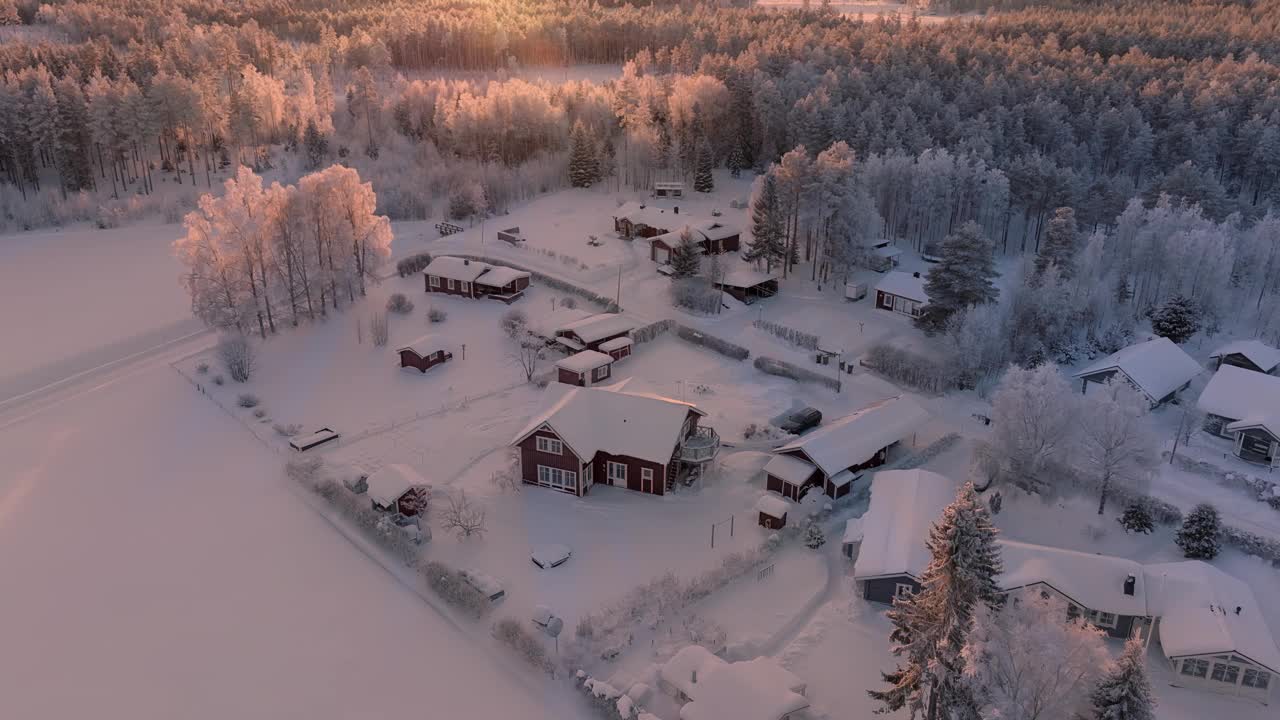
[[961, 278], [932, 626], [584, 169], [1125, 692], [1178, 319], [1060, 246], [686, 258], [768, 229], [703, 180], [735, 162], [1198, 537], [316, 144]]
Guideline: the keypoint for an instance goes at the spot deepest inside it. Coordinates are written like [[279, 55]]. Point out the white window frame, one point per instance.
[[903, 590], [466, 286], [588, 475], [600, 373], [646, 479], [1224, 669], [448, 283], [435, 280], [1255, 678], [616, 472], [549, 445], [1106, 620], [1200, 668], [557, 479]]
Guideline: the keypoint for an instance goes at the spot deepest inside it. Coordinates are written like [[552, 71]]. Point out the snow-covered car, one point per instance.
[[801, 420], [549, 556], [486, 584]]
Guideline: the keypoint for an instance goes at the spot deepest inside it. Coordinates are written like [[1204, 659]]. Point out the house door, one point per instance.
[[661, 255], [885, 300]]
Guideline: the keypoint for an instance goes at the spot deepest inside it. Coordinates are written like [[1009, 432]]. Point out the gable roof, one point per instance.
[[1236, 393], [1093, 581], [678, 672], [651, 215], [1269, 423], [714, 229], [904, 505], [500, 275], [855, 438], [391, 481], [591, 419], [598, 326], [456, 268], [1157, 367], [789, 469], [427, 344], [1258, 353], [746, 278], [758, 689], [584, 361], [1197, 603], [903, 284]]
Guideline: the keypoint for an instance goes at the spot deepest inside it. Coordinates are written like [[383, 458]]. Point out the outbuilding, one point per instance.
[[398, 488], [883, 256], [772, 512], [591, 332], [585, 368], [1250, 355], [425, 353], [1157, 368], [617, 348], [747, 285], [902, 292], [892, 556]]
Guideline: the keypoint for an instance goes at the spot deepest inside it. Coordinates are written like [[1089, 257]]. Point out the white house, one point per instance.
[[1157, 368]]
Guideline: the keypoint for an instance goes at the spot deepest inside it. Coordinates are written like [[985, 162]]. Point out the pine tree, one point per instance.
[[814, 538], [961, 278], [1060, 244], [686, 258], [584, 168], [703, 181], [74, 140], [1136, 518], [1125, 692], [931, 627], [1198, 537], [736, 162], [1178, 319], [768, 226], [316, 144]]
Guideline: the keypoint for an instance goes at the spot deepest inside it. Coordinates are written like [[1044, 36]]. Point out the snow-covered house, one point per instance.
[[636, 219], [585, 368], [772, 512], [474, 279], [1211, 630], [748, 285], [1250, 355], [1109, 592], [1245, 406], [398, 488], [713, 689], [712, 236], [1157, 368], [425, 353], [892, 556], [590, 332], [834, 455], [882, 256], [617, 348], [902, 292], [607, 435]]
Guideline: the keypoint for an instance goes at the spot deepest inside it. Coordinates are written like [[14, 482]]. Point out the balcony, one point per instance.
[[700, 446]]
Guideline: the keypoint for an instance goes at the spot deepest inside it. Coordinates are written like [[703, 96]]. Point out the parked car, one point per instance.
[[549, 556], [486, 584], [801, 420]]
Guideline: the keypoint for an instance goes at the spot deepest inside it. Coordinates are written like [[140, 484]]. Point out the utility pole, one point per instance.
[[618, 300]]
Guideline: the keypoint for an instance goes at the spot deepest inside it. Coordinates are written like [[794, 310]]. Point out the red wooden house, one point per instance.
[[605, 435], [425, 353], [474, 279], [591, 332], [584, 369]]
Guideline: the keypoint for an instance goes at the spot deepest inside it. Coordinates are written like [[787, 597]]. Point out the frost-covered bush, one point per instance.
[[237, 356], [436, 315], [287, 429], [259, 413], [782, 368], [304, 470], [413, 264], [448, 584], [513, 634], [355, 509], [814, 538], [695, 294], [1137, 519], [1263, 547], [202, 368], [795, 337], [908, 368], [711, 342], [761, 432], [217, 380], [645, 333], [399, 304], [1178, 318], [247, 400], [514, 322], [1198, 537], [569, 302]]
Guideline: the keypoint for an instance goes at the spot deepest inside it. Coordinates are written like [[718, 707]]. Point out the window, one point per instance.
[[448, 283], [550, 445], [1256, 678], [616, 471], [1192, 667], [466, 286], [1106, 620], [1226, 672], [600, 373], [588, 475], [435, 281], [557, 478], [1073, 613], [646, 479], [903, 590]]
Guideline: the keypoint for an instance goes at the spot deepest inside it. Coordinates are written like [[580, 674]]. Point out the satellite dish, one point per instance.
[[554, 627]]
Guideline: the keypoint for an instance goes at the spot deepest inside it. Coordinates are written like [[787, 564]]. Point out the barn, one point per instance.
[[590, 332], [585, 368], [748, 285], [834, 455], [1157, 368], [1250, 355], [398, 488], [425, 353], [902, 292], [1244, 406], [892, 556]]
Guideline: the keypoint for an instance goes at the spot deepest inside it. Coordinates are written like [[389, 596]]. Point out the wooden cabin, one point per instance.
[[425, 353], [585, 368]]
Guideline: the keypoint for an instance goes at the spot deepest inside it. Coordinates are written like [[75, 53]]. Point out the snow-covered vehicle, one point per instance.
[[549, 556], [488, 585], [801, 420]]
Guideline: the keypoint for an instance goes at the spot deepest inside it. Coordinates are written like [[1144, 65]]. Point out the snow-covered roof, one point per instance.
[[456, 268], [746, 278], [680, 669], [584, 361], [651, 215], [886, 251], [903, 284], [788, 468], [427, 344], [1197, 605], [855, 438], [500, 275], [670, 239], [773, 505], [904, 504], [715, 230], [590, 419], [1157, 367], [758, 689], [1269, 423], [853, 530], [1258, 353], [547, 324], [391, 481], [1237, 393], [844, 477], [601, 325], [1092, 581], [616, 344]]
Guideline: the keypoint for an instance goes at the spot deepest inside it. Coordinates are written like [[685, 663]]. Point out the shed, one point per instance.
[[1157, 368], [511, 235], [790, 476], [773, 512], [748, 285], [617, 348], [584, 368], [893, 555], [668, 189], [851, 542], [1258, 439], [398, 488], [1250, 355], [425, 353], [883, 256], [1234, 393], [902, 292], [305, 442]]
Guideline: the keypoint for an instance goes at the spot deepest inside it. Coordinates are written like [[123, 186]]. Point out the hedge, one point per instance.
[[711, 342], [909, 368], [782, 368], [413, 264]]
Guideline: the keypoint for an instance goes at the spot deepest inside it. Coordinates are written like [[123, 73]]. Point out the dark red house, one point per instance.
[[712, 236], [585, 368], [617, 348], [474, 279], [591, 332], [425, 353], [604, 435]]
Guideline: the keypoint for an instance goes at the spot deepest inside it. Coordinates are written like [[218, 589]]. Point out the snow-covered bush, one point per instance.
[[1198, 537], [202, 368], [1137, 519], [399, 304], [711, 342], [568, 302], [237, 356], [798, 338], [218, 380], [814, 538], [436, 315], [646, 333], [761, 432], [259, 413], [513, 634], [354, 508], [247, 400], [448, 584], [782, 368], [287, 429], [695, 294], [304, 470], [413, 264], [1245, 541], [908, 368], [514, 322]]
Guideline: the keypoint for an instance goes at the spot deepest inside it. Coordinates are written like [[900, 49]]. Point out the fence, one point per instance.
[[798, 338]]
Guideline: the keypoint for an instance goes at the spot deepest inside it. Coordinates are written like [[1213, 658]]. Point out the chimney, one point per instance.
[[1130, 584], [676, 209], [466, 261], [1238, 608], [915, 274], [694, 678]]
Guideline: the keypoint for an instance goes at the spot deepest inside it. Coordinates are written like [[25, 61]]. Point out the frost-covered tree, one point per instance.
[[768, 224], [363, 99], [1033, 417], [1125, 692], [703, 180], [1137, 518], [1060, 243], [931, 628], [1178, 319], [1024, 660], [237, 355], [1198, 536], [1115, 448], [584, 168], [686, 257], [962, 277]]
